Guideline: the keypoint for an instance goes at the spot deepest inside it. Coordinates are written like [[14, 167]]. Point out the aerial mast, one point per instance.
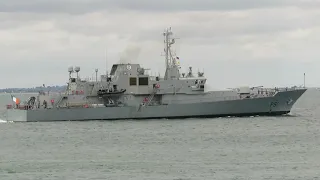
[[106, 64], [96, 70], [171, 68], [304, 80]]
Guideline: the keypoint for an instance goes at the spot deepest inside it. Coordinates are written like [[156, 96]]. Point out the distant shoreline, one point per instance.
[[34, 90]]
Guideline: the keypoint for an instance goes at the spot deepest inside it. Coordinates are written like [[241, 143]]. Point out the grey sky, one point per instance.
[[88, 6], [239, 42]]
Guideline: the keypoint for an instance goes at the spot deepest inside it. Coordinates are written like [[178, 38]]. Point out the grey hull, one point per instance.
[[279, 104]]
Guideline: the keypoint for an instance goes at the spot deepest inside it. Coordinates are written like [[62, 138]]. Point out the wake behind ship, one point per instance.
[[128, 92]]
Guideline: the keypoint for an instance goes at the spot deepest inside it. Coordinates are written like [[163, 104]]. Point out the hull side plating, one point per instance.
[[279, 104]]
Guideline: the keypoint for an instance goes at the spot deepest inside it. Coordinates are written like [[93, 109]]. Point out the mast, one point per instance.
[[172, 70], [304, 80], [106, 64], [167, 34]]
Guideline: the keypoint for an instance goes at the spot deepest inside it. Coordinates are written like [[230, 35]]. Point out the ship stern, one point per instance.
[[16, 115]]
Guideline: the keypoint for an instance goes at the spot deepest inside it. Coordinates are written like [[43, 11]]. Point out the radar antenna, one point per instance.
[[77, 70], [70, 70]]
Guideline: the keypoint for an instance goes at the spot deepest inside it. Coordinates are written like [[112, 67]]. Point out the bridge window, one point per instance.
[[133, 81], [143, 81]]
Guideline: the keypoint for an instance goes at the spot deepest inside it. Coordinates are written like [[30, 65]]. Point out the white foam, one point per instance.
[[3, 121]]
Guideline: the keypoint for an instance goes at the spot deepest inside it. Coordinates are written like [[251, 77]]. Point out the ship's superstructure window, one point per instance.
[[133, 81], [143, 81]]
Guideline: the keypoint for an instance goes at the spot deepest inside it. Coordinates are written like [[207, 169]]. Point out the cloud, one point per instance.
[[46, 37], [89, 6]]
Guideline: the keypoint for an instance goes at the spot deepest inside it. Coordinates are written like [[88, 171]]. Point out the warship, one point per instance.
[[129, 92]]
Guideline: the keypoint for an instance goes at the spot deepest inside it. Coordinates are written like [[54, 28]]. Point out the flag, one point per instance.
[[16, 100]]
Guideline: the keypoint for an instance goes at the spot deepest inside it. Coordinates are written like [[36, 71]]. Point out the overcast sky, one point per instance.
[[235, 42]]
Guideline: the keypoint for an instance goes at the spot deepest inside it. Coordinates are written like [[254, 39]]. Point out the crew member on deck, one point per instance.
[[45, 104]]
